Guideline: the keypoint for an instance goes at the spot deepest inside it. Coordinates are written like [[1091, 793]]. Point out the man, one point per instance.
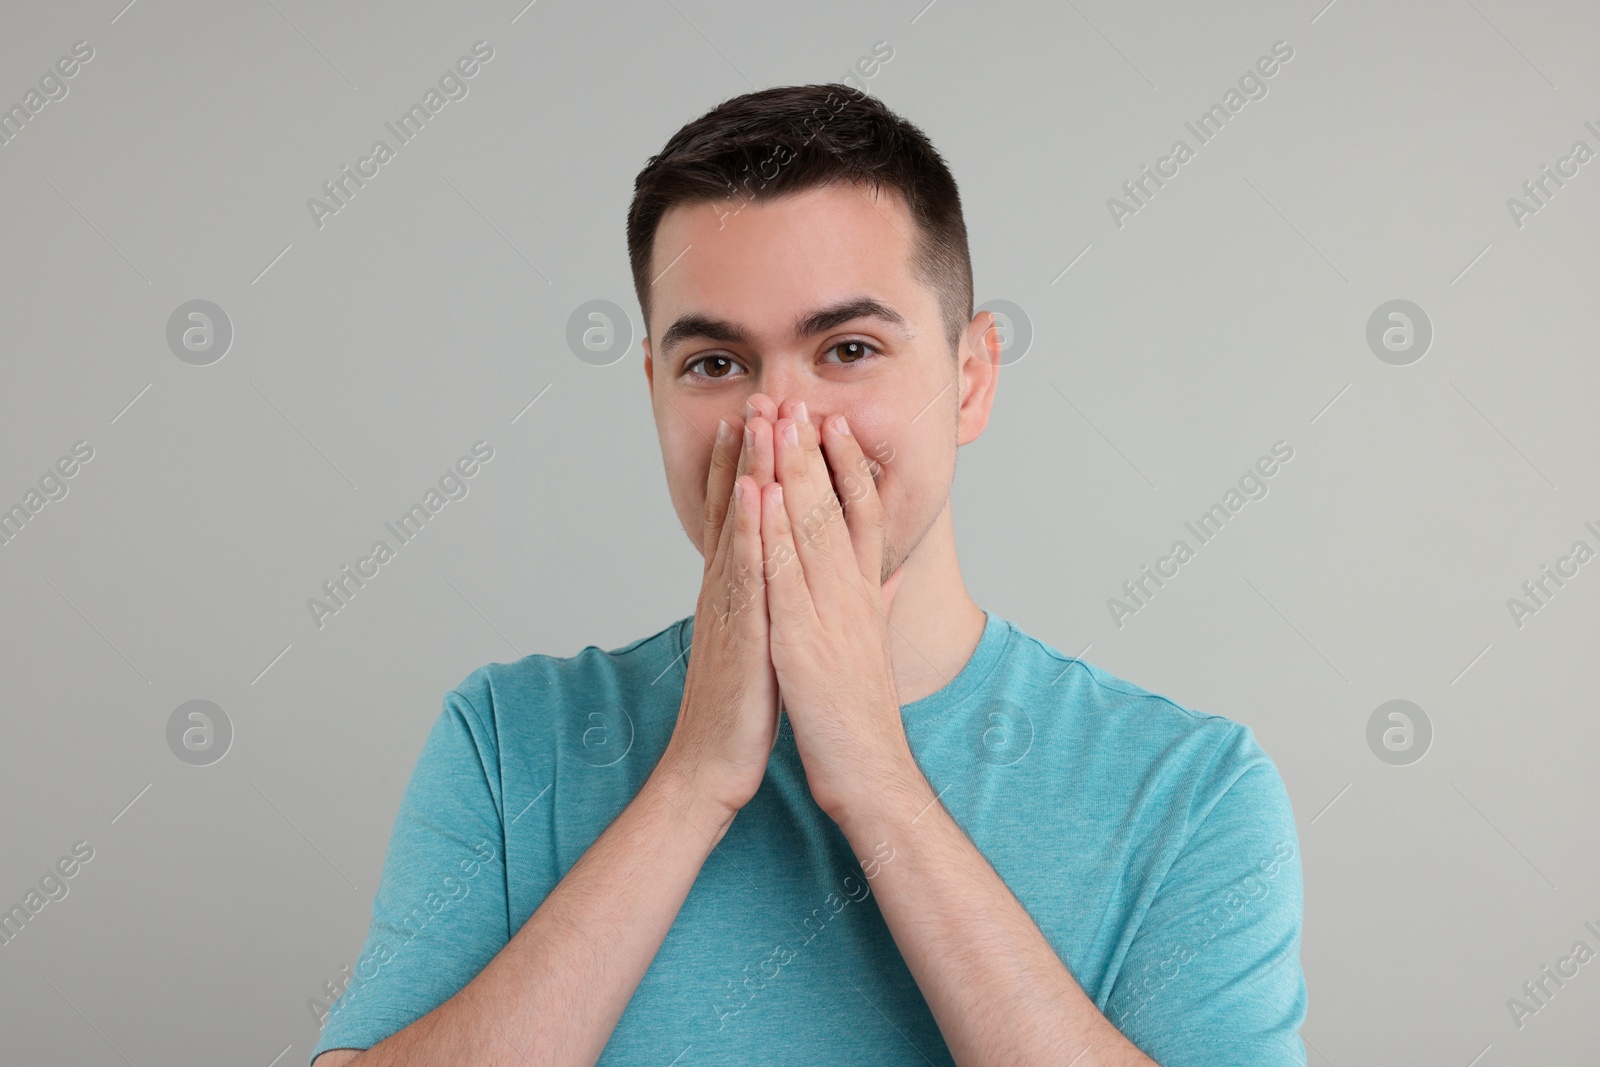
[[842, 814]]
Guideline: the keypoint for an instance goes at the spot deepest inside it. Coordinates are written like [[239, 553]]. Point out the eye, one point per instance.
[[860, 353], [717, 367]]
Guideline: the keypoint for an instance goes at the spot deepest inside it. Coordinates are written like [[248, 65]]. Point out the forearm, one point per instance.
[[554, 993], [995, 986]]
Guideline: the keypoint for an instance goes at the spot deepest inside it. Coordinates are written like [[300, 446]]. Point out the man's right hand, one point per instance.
[[562, 982], [728, 721]]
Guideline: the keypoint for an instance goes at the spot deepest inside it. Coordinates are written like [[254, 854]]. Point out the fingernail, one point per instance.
[[749, 437], [738, 490], [722, 431], [800, 413], [749, 411], [844, 426], [791, 434]]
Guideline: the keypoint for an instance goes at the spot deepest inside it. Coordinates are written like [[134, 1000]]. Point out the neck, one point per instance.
[[934, 624]]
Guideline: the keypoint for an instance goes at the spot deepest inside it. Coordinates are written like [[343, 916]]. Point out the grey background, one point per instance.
[[369, 354]]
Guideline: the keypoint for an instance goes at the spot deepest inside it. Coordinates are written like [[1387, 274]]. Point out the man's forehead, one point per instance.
[[786, 268], [835, 223]]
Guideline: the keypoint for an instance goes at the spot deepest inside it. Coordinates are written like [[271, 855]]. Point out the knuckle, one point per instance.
[[775, 561], [812, 524]]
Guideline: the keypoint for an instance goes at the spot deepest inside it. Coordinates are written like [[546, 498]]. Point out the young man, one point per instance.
[[841, 814]]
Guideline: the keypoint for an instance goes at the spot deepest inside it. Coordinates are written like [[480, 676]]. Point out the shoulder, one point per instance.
[[1158, 743], [501, 691]]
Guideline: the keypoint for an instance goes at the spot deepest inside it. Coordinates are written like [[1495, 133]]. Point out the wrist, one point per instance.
[[895, 798], [689, 787]]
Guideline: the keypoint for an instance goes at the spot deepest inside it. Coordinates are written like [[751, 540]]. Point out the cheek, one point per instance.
[[695, 468], [691, 488], [875, 433], [910, 462], [688, 453], [687, 463], [880, 449], [871, 474]]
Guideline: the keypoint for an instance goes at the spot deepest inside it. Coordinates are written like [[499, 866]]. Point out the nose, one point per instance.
[[783, 379], [773, 404]]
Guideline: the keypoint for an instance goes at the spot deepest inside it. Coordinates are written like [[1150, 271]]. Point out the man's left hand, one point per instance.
[[829, 614]]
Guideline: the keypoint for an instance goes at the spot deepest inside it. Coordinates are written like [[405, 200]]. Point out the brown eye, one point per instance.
[[711, 366], [853, 351]]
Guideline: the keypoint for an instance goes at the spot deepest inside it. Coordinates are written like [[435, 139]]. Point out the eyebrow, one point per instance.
[[811, 322]]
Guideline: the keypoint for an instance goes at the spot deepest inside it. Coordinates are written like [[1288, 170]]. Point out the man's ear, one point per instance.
[[978, 368], [649, 371]]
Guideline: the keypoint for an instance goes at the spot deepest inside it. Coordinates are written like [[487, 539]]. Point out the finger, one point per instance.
[[755, 462], [758, 444], [855, 473], [760, 404], [788, 599], [725, 458], [724, 532], [824, 519], [749, 600], [808, 499], [742, 569], [841, 545]]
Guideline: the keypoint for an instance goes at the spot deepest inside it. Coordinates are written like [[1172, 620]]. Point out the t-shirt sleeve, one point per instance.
[[1212, 977], [440, 914]]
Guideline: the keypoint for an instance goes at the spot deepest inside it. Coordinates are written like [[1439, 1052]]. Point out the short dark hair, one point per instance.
[[792, 138]]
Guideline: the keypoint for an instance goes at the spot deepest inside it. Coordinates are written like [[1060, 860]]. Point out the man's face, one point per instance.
[[743, 276]]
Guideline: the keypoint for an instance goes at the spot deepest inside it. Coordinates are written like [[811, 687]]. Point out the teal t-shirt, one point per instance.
[[1153, 845]]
